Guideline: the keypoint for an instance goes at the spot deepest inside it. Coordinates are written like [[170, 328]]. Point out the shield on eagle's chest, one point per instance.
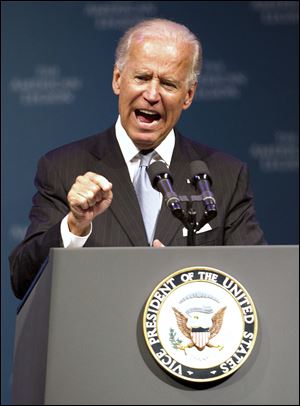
[[200, 339]]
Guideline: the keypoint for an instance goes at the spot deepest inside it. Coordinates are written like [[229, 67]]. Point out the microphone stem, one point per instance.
[[192, 227]]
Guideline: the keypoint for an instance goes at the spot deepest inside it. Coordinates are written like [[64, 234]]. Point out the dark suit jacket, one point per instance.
[[122, 224]]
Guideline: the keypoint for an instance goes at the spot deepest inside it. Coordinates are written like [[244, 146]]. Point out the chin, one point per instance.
[[145, 145], [148, 139], [145, 141]]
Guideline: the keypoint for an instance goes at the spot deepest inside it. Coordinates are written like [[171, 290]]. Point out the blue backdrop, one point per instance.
[[57, 61]]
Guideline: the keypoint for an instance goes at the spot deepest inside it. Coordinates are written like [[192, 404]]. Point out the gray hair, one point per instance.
[[159, 27]]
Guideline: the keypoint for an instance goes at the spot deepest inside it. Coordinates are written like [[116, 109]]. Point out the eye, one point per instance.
[[142, 77], [169, 85]]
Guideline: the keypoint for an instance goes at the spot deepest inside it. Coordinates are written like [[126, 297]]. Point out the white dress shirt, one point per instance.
[[130, 153]]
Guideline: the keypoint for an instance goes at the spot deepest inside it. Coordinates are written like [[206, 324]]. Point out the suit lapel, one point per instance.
[[125, 206]]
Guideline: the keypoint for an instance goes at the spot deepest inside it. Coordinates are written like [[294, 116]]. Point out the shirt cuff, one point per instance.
[[71, 240]]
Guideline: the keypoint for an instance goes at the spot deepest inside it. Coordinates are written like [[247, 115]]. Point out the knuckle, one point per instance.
[[79, 179], [89, 175], [70, 195]]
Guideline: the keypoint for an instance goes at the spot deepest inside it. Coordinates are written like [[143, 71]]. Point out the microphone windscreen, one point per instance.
[[157, 168], [198, 168]]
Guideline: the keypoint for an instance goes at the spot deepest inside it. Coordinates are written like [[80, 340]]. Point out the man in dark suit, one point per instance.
[[85, 194]]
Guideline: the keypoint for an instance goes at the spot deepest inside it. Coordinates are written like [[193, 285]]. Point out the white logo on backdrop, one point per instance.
[[218, 83], [47, 86], [280, 155], [119, 15], [277, 12], [17, 232]]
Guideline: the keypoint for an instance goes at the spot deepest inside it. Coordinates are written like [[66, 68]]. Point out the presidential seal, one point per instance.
[[200, 324]]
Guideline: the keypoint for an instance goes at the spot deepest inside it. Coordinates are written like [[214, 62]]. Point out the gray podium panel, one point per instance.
[[79, 336]]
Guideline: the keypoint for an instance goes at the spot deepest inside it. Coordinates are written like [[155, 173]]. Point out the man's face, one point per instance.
[[153, 89]]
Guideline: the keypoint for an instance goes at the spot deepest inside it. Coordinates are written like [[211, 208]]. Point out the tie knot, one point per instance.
[[146, 156]]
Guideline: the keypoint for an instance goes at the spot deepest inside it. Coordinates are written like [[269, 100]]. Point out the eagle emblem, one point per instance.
[[193, 329]]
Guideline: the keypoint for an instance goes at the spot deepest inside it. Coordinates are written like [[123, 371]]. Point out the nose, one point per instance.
[[152, 94]]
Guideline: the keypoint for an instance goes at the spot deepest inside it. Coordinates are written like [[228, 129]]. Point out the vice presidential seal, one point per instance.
[[200, 324]]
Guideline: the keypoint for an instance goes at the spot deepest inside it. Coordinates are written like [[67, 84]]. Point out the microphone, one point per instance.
[[161, 180], [201, 179]]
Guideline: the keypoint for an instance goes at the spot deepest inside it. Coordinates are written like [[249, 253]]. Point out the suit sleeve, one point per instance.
[[48, 209], [241, 225]]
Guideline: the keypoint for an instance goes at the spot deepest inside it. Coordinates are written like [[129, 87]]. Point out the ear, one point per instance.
[[116, 81], [189, 96]]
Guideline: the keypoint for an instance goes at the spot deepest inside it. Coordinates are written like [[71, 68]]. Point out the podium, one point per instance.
[[79, 334]]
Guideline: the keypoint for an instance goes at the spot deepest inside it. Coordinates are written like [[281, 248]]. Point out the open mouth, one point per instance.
[[147, 116]]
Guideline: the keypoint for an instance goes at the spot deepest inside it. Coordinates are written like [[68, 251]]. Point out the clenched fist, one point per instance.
[[90, 195]]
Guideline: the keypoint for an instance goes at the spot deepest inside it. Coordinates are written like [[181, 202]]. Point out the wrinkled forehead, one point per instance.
[[161, 58]]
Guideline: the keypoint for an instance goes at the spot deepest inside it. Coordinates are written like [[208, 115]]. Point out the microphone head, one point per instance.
[[157, 170], [199, 168]]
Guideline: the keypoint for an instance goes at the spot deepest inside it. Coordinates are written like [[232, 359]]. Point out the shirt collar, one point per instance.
[[129, 150]]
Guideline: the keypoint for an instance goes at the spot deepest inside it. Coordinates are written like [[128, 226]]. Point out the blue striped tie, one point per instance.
[[149, 198]]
